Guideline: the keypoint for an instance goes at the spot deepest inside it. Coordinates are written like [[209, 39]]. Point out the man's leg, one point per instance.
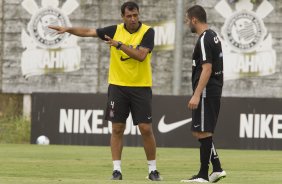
[[117, 112], [116, 148], [150, 150], [215, 160], [207, 154], [148, 140], [205, 139], [218, 173], [116, 140]]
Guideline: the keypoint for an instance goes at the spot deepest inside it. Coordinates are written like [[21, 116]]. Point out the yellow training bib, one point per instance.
[[125, 71]]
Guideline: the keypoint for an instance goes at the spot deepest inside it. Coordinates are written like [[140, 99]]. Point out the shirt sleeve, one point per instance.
[[206, 49], [110, 31], [148, 39]]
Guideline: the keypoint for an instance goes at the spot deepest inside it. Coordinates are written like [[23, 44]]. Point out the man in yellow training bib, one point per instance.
[[130, 81]]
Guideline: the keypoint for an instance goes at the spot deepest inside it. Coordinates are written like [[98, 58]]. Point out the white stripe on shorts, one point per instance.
[[203, 115], [203, 110]]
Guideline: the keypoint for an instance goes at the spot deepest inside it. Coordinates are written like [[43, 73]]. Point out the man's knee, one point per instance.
[[201, 135], [145, 129], [118, 129]]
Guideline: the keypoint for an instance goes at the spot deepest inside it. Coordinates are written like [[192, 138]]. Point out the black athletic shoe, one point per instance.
[[116, 175], [155, 176]]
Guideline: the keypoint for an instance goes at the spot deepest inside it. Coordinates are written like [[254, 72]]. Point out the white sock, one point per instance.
[[152, 164], [117, 165]]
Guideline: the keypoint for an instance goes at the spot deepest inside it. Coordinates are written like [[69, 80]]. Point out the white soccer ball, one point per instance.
[[42, 140]]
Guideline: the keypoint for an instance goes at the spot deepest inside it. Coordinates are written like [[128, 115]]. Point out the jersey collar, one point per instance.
[[140, 24], [204, 32]]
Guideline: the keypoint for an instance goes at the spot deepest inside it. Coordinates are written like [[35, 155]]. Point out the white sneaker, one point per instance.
[[216, 176], [195, 179]]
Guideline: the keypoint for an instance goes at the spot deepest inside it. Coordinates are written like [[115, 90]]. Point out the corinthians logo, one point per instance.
[[38, 27], [244, 31], [247, 46], [46, 51]]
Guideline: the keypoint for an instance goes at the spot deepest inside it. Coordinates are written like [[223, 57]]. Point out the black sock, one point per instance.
[[205, 155], [215, 160]]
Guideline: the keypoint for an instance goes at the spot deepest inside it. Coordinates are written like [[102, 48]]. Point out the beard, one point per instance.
[[192, 29]]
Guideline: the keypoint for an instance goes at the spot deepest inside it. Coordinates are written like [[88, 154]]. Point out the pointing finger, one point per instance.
[[54, 27], [107, 37]]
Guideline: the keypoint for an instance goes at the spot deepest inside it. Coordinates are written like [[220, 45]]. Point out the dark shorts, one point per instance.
[[204, 118], [122, 100]]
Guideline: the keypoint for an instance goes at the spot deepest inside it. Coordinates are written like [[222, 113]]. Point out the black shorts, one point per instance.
[[122, 100], [204, 118]]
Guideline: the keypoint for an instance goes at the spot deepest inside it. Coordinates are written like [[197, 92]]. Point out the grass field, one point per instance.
[[33, 164]]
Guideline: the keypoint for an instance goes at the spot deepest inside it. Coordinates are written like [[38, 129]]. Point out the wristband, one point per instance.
[[119, 45]]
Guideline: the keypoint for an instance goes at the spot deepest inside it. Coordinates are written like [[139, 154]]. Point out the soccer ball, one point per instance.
[[43, 140]]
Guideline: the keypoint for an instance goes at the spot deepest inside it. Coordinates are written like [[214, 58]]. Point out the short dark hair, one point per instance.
[[130, 6], [198, 12]]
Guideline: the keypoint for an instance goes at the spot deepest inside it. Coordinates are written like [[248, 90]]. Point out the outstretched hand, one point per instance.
[[60, 30]]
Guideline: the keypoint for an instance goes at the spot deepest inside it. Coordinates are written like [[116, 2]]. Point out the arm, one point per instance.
[[204, 78], [83, 32], [138, 54]]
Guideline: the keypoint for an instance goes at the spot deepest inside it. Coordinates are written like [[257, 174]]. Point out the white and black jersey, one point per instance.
[[208, 50]]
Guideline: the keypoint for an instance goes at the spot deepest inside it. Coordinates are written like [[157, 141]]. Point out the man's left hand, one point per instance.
[[110, 41]]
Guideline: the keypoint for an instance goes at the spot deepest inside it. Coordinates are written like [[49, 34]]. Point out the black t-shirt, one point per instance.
[[147, 40], [208, 50]]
